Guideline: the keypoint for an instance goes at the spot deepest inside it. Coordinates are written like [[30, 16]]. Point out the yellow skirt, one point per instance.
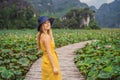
[[47, 70]]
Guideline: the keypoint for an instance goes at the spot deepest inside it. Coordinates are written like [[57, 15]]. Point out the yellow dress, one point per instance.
[[47, 70]]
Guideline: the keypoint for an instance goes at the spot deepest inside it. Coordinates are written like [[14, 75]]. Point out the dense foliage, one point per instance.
[[55, 7], [16, 14], [99, 60], [74, 19], [17, 53], [18, 48]]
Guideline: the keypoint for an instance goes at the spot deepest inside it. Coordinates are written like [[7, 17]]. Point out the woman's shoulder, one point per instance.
[[45, 37]]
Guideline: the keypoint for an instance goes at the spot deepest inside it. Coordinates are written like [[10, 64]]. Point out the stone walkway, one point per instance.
[[66, 62]]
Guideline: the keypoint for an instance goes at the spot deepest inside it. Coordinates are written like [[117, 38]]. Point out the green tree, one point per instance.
[[73, 19], [16, 14]]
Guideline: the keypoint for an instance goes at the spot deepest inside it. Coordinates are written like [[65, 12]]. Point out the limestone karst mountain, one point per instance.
[[59, 7], [108, 15]]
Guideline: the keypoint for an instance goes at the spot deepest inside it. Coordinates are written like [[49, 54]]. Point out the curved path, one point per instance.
[[66, 62]]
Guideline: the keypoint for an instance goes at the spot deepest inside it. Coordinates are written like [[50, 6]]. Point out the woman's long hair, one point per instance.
[[40, 31]]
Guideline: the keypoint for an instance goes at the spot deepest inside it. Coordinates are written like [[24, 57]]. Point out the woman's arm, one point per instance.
[[46, 40]]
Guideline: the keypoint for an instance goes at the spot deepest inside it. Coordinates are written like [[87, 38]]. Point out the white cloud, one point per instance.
[[85, 0], [96, 3], [109, 1]]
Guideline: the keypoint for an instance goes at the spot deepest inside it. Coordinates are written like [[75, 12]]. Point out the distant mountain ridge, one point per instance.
[[93, 8], [59, 7], [108, 15]]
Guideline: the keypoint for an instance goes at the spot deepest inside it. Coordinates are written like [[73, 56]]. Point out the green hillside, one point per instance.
[[55, 7]]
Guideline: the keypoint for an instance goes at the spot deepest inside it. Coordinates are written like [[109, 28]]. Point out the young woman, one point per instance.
[[45, 41]]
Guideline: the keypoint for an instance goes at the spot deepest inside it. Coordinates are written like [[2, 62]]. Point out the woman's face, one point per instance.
[[47, 25]]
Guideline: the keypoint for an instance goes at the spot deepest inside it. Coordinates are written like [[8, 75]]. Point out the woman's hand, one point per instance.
[[55, 70]]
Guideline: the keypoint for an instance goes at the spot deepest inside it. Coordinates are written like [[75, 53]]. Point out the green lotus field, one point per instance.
[[97, 61]]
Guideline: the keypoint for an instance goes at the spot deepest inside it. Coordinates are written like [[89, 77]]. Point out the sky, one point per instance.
[[96, 3]]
